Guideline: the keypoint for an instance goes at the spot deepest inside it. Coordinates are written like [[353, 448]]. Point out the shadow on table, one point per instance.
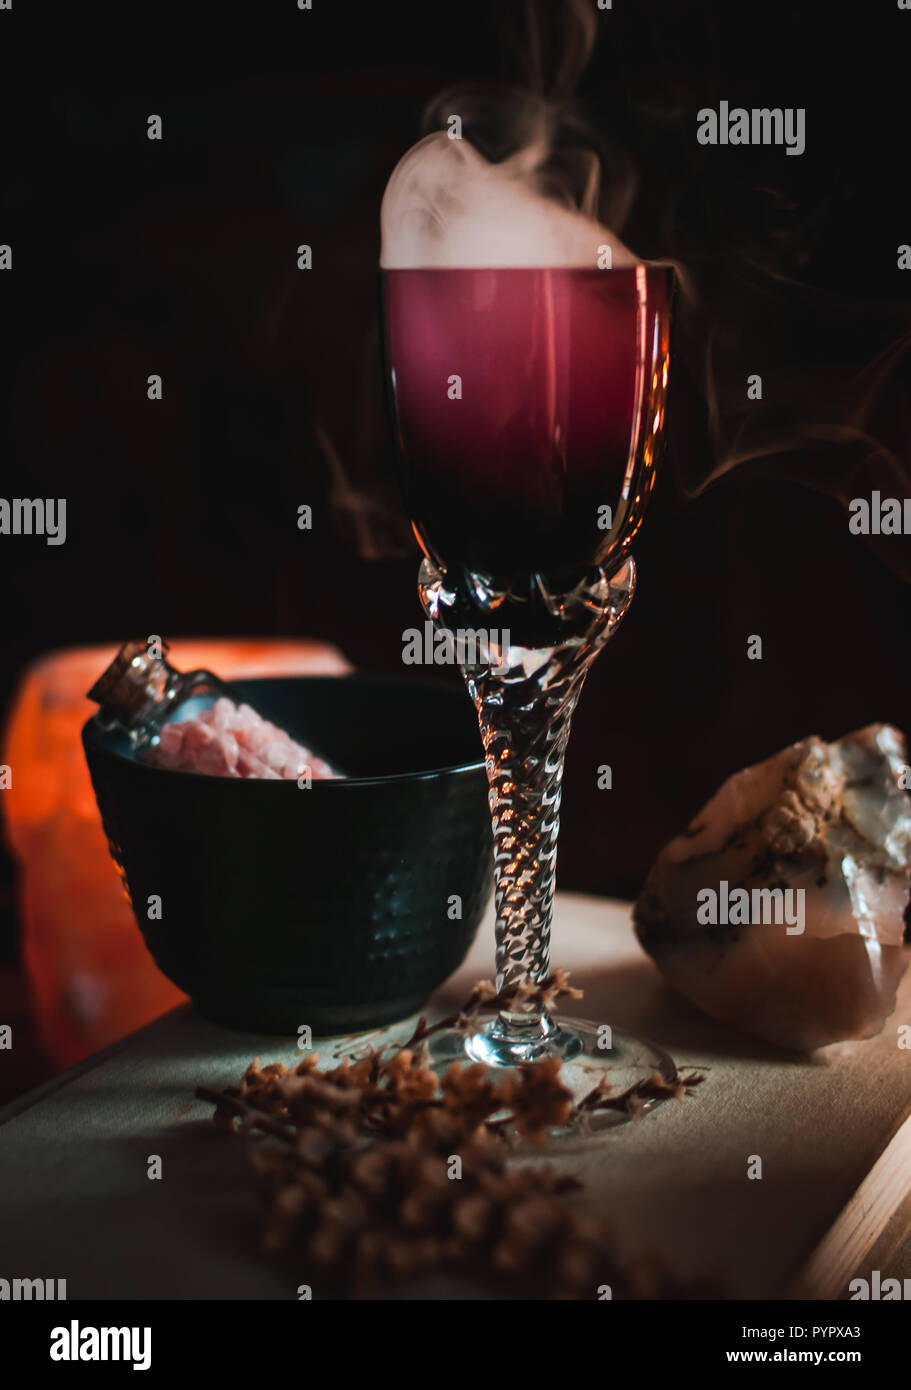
[[633, 997]]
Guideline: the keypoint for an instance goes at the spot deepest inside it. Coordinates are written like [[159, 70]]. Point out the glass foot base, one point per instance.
[[588, 1051]]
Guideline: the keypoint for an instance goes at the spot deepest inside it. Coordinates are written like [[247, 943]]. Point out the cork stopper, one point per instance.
[[133, 680]]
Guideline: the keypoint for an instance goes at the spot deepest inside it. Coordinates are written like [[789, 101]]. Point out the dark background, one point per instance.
[[179, 257]]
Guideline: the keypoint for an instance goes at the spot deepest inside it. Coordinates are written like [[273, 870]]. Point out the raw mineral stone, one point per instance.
[[781, 909]]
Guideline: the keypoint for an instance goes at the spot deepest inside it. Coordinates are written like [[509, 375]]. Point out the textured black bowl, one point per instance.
[[327, 906]]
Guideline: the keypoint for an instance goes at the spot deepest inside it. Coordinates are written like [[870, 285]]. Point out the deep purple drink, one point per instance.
[[527, 401]]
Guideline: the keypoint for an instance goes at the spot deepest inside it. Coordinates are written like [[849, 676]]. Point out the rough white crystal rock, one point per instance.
[[831, 820]]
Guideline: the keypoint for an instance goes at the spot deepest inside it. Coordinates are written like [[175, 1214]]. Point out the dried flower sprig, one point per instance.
[[378, 1170]]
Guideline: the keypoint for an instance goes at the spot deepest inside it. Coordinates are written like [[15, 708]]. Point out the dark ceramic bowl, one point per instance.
[[327, 906]]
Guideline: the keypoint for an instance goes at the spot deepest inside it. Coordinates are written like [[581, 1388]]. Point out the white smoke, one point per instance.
[[446, 206]]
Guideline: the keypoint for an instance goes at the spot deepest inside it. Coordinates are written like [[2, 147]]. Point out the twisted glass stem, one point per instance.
[[525, 697], [524, 732]]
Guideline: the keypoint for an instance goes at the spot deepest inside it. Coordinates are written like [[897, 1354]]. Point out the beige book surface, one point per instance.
[[833, 1199]]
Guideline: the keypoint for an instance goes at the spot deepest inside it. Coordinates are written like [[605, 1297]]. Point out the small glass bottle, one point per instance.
[[140, 692]]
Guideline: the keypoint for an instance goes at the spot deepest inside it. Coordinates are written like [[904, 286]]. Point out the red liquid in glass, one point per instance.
[[556, 413]]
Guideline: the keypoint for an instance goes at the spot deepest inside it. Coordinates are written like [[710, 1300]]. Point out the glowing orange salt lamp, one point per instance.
[[91, 976]]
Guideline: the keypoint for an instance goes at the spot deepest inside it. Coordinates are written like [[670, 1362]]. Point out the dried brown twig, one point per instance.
[[379, 1170]]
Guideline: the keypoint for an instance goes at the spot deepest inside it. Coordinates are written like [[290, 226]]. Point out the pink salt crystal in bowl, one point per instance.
[[232, 740]]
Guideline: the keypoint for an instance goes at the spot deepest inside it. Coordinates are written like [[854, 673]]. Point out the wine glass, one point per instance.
[[528, 406]]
